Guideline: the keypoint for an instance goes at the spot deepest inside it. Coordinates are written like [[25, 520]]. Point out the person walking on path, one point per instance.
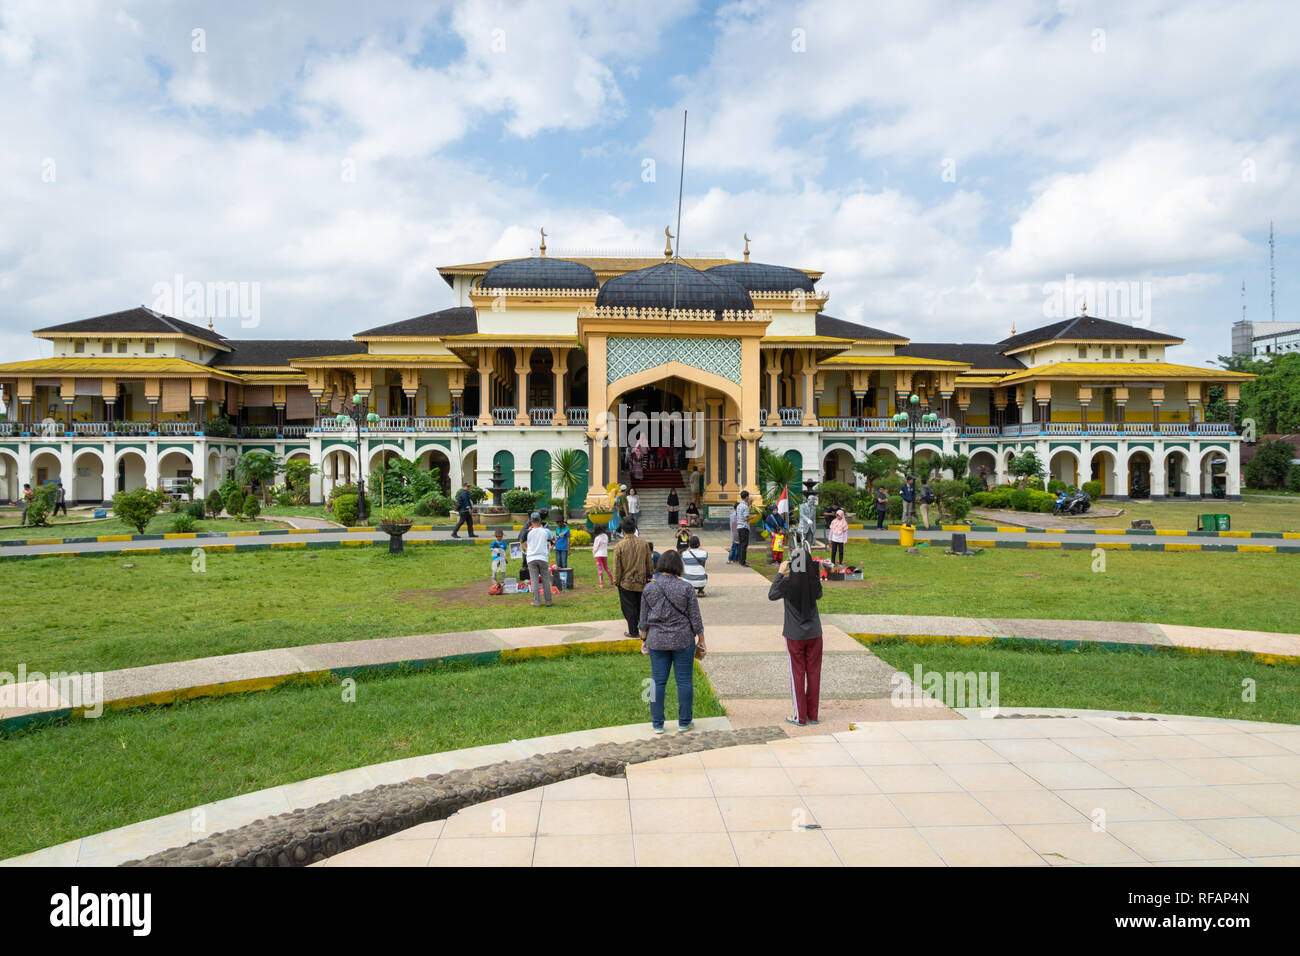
[[695, 481], [927, 499], [742, 530], [672, 633], [60, 500], [839, 535], [909, 500], [464, 512], [798, 584], [633, 565], [882, 503], [600, 553], [26, 501], [672, 507], [538, 557]]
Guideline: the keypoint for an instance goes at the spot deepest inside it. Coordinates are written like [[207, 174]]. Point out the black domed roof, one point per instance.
[[652, 288], [540, 272], [761, 277]]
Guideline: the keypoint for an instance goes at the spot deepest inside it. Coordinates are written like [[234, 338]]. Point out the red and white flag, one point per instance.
[[783, 503]]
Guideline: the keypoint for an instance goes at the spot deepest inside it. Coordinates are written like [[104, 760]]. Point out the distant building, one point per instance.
[[1246, 336], [1276, 343]]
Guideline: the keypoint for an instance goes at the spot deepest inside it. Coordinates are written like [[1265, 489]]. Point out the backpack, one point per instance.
[[927, 495]]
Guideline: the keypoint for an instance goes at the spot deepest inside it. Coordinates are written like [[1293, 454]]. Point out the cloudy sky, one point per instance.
[[943, 163]]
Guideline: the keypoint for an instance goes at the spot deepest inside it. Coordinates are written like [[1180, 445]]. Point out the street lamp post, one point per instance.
[[914, 417], [357, 414]]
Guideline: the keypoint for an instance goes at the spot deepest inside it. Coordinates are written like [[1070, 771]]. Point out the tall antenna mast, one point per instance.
[[1272, 277], [681, 181]]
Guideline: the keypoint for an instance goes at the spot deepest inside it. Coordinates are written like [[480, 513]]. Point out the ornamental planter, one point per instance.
[[395, 532]]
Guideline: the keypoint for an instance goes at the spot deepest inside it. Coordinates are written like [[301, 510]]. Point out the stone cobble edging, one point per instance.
[[316, 833]]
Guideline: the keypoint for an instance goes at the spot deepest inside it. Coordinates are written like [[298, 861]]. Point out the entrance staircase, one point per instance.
[[652, 491]]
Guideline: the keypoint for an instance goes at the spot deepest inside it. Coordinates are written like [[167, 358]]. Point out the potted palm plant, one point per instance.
[[568, 472], [395, 521]]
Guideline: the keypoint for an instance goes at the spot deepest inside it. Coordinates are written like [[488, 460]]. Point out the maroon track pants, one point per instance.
[[805, 677]]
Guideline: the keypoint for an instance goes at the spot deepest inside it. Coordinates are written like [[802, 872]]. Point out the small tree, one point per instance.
[[234, 501], [568, 471], [1270, 464], [1026, 465], [260, 467], [252, 507], [297, 475], [876, 467], [137, 508], [215, 503]]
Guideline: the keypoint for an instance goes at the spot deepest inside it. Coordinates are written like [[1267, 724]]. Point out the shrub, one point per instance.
[[218, 427], [196, 510], [476, 494], [836, 494], [235, 501], [215, 503], [297, 479], [579, 538], [1035, 484], [558, 504], [894, 508], [175, 505], [950, 490], [958, 509], [42, 503], [183, 524], [892, 483], [1293, 478], [1055, 485], [1020, 499], [138, 507], [519, 500], [973, 484], [865, 508], [345, 510], [252, 507], [981, 499], [1046, 507], [393, 514], [1093, 488], [1038, 498], [1000, 497]]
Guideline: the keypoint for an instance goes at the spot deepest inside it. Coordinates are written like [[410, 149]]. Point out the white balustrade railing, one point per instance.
[[541, 416], [576, 416], [791, 416], [504, 416]]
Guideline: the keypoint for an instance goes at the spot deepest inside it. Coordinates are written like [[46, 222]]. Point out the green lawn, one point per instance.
[[1166, 682], [1248, 591], [91, 613], [161, 524], [87, 776]]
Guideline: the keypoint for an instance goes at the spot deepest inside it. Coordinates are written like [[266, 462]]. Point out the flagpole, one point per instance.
[[681, 181]]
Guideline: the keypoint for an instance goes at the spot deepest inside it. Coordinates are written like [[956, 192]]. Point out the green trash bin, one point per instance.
[[1225, 522], [1214, 523]]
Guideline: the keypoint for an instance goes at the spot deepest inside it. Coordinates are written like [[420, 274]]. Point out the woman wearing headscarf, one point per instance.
[[799, 586], [839, 535]]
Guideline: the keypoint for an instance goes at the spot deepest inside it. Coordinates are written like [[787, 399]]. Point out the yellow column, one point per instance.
[[559, 365], [524, 356], [484, 388], [773, 389], [712, 484]]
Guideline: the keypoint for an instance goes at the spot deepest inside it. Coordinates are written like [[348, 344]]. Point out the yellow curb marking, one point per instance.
[[113, 537], [1181, 534]]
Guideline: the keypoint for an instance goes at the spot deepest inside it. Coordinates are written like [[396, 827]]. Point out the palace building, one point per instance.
[[539, 354]]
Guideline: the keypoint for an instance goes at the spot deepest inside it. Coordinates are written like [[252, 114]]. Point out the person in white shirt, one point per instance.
[[538, 557], [693, 560], [742, 530], [634, 505], [600, 551]]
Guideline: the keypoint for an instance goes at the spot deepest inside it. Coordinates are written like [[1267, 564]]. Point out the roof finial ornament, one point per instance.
[[542, 250], [746, 247], [668, 247], [1084, 311], [209, 323]]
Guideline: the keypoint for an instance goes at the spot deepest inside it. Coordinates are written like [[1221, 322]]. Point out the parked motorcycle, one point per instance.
[[1075, 504]]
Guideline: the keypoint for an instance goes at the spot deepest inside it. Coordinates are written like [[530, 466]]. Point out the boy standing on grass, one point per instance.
[[561, 543], [497, 551]]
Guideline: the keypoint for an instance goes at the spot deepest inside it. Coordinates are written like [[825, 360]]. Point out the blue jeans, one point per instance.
[[561, 557], [734, 552], [682, 663]]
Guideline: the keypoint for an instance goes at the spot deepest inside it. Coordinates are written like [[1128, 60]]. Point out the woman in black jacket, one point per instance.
[[799, 585], [672, 508]]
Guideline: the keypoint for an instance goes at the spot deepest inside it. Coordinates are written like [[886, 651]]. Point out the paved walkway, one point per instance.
[[980, 792]]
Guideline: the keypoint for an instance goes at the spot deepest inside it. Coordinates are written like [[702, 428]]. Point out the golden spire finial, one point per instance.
[[668, 246], [542, 250], [1084, 311], [209, 323], [746, 247]]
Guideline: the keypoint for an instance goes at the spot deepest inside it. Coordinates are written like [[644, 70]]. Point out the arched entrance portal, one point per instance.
[[1139, 475]]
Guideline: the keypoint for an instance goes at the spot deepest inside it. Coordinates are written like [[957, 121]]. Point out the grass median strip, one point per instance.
[[87, 776], [1144, 679]]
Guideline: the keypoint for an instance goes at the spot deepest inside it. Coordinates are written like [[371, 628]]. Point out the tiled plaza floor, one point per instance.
[[978, 792]]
